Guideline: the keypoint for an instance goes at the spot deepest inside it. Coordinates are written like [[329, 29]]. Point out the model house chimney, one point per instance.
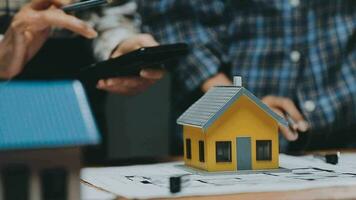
[[237, 81]]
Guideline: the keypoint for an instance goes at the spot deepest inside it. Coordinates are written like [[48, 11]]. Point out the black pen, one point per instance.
[[84, 5]]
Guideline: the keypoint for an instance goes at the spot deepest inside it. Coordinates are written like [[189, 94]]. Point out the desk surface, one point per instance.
[[311, 194], [346, 192]]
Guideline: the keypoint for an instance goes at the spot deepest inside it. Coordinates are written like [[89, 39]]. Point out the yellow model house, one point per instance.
[[230, 129]]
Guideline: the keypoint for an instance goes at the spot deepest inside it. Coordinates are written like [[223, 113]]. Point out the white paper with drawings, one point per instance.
[[91, 193], [152, 181]]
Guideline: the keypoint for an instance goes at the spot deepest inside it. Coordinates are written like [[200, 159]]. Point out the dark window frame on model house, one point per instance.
[[188, 147], [263, 150], [223, 151], [201, 151]]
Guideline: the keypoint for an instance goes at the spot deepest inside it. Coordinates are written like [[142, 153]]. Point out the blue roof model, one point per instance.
[[45, 114]]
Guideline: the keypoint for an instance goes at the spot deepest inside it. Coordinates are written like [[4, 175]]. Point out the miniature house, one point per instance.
[[42, 126], [230, 129]]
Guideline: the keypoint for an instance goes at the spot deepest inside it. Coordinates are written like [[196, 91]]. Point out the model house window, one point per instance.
[[188, 147], [263, 150], [223, 151], [201, 151]]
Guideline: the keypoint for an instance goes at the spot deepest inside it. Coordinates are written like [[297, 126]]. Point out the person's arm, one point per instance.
[[119, 34], [28, 31]]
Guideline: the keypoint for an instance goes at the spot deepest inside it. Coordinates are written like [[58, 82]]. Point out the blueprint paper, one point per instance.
[[152, 181], [91, 193]]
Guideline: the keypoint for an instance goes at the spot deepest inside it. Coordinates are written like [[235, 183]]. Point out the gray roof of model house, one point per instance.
[[215, 102]]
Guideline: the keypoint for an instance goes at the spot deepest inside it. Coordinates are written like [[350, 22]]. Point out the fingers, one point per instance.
[[285, 104], [289, 134], [288, 107], [152, 74], [43, 17], [116, 53], [133, 43], [303, 126], [146, 40], [125, 86], [57, 18], [138, 41], [131, 85]]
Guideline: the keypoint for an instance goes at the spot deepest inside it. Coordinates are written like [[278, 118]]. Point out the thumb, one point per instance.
[[116, 53]]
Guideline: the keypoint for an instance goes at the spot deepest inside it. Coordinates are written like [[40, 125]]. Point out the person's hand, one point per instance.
[[219, 79], [285, 107], [28, 31], [132, 85]]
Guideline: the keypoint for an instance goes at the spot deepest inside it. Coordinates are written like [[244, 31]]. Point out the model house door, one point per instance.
[[243, 153]]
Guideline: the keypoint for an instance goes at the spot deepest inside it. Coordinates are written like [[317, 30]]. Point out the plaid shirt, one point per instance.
[[301, 49]]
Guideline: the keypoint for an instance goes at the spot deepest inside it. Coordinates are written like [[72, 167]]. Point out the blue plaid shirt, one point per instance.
[[301, 49]]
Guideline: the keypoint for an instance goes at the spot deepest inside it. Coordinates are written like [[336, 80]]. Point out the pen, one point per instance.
[[84, 5]]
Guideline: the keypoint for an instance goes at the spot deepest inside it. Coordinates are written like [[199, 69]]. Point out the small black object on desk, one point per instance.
[[332, 158], [175, 183]]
